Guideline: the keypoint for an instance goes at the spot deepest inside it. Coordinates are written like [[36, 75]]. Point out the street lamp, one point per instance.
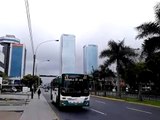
[[36, 67], [34, 59], [34, 56], [31, 39], [38, 84]]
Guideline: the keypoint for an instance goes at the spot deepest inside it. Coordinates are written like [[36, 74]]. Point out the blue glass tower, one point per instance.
[[90, 58], [16, 68], [68, 54], [14, 56]]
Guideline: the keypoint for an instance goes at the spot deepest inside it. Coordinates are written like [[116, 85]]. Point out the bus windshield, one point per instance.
[[75, 86]]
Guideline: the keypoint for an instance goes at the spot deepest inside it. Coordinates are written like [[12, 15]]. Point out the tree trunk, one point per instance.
[[118, 81], [95, 88], [118, 87], [140, 93]]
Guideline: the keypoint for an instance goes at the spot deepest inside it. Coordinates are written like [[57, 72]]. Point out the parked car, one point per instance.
[[13, 89], [46, 89]]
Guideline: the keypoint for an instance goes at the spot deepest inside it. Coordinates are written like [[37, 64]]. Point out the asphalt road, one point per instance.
[[103, 109]]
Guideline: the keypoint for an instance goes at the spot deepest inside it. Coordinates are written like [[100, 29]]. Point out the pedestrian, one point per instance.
[[39, 93]]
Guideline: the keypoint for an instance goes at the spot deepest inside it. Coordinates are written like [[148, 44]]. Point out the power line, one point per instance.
[[29, 24]]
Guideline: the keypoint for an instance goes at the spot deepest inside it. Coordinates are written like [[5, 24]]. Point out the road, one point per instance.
[[103, 109]]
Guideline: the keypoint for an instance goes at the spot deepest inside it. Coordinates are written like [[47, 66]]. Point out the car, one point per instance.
[[46, 90], [9, 89], [14, 89]]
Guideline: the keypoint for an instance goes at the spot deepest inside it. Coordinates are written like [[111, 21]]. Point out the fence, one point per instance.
[[124, 95]]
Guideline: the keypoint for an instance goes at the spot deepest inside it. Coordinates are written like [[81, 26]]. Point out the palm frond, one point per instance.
[[157, 12], [106, 63], [126, 62], [102, 67], [150, 46], [112, 45], [128, 52], [147, 30], [121, 43], [144, 54], [111, 60], [105, 53]]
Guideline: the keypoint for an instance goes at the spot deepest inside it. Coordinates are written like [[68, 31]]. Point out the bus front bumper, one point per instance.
[[66, 103]]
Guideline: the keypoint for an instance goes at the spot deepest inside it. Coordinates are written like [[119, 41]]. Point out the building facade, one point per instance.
[[14, 56], [1, 65], [1, 60], [90, 58], [68, 54]]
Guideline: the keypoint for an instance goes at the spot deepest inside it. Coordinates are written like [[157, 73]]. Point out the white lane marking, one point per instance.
[[100, 101], [139, 110], [97, 111]]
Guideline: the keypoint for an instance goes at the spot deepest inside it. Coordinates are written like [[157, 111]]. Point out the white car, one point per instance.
[[46, 90], [14, 89]]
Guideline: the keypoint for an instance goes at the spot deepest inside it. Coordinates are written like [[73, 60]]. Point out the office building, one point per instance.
[[1, 65], [17, 61], [68, 54], [14, 56], [1, 60], [90, 58]]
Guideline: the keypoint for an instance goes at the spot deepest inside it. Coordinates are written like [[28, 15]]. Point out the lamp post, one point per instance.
[[36, 67], [38, 84], [34, 58]]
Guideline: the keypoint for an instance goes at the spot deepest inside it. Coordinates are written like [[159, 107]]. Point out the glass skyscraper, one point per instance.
[[14, 56], [68, 54], [90, 58], [17, 63]]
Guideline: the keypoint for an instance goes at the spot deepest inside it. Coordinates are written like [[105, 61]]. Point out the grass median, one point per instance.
[[147, 102]]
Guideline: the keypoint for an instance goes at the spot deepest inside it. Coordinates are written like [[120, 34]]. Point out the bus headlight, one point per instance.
[[86, 99], [63, 98]]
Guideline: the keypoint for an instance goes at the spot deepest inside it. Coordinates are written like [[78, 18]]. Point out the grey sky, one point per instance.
[[91, 21]]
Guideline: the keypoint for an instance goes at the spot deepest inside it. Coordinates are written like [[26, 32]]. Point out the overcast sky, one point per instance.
[[91, 21]]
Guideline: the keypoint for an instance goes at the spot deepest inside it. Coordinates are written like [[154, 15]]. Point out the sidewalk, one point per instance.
[[38, 109], [13, 102]]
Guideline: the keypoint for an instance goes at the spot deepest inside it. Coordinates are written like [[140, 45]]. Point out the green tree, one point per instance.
[[94, 77], [143, 76], [3, 75], [137, 75], [153, 64], [30, 81], [150, 32], [4, 78], [104, 74], [121, 55]]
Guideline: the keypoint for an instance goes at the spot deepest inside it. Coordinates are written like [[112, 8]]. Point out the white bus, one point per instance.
[[70, 90]]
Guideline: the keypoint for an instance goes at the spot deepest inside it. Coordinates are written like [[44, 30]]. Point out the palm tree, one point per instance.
[[95, 76], [150, 31], [121, 55], [104, 73]]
